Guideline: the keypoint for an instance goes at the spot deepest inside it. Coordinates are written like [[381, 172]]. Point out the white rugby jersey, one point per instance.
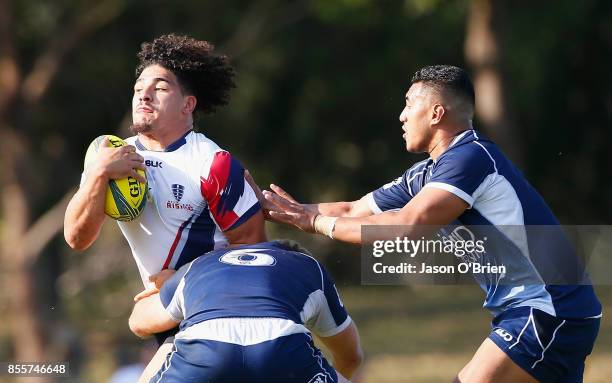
[[196, 192]]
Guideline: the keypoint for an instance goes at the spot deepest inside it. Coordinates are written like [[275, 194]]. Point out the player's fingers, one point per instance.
[[137, 176], [160, 278], [281, 192], [146, 293], [134, 157], [268, 207], [137, 164], [279, 201], [281, 217]]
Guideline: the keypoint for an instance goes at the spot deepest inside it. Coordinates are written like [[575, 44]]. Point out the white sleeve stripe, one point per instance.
[[174, 318], [176, 307], [372, 203], [336, 330], [246, 200], [320, 271], [322, 281], [452, 189]]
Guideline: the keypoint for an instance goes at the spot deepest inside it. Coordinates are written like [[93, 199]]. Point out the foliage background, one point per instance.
[[320, 88]]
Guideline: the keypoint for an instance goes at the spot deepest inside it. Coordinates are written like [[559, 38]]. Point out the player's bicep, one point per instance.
[[149, 317], [432, 206], [251, 231], [344, 343]]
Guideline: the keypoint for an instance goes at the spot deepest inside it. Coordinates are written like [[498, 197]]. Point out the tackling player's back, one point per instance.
[[266, 280]]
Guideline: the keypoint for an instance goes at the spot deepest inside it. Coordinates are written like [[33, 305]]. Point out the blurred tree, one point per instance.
[[482, 47], [24, 83]]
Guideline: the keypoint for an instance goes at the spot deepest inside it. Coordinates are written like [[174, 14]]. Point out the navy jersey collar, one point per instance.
[[170, 148], [463, 137]]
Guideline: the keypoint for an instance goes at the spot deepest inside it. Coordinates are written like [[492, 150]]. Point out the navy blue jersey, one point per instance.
[[499, 197], [266, 280]]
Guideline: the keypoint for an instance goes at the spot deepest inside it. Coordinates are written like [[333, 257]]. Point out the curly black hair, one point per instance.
[[447, 78], [200, 71]]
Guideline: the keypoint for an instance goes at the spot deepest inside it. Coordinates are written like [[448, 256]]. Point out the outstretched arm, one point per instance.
[[358, 208], [429, 207]]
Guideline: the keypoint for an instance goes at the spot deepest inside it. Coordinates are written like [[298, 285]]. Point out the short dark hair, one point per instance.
[[200, 71], [292, 245], [447, 78]]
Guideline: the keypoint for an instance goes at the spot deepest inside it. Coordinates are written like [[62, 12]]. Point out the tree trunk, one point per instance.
[[482, 53], [23, 320]]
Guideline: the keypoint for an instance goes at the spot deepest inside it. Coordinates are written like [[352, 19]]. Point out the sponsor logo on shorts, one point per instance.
[[505, 335], [318, 378]]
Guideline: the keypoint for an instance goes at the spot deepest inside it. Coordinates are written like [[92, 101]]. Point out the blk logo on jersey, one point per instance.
[[178, 191], [153, 164]]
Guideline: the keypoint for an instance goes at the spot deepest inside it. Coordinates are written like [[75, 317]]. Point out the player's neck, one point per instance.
[[158, 140], [443, 140]]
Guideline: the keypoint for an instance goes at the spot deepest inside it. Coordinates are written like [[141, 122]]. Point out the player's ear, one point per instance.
[[190, 104], [437, 112]]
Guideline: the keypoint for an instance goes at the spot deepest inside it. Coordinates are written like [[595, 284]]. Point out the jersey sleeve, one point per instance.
[[230, 198], [171, 294], [324, 312], [391, 196], [463, 172]]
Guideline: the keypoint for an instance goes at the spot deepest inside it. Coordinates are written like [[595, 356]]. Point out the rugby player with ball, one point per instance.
[[197, 199]]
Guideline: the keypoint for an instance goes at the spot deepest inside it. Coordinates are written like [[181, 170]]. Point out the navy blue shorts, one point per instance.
[[292, 358], [550, 349]]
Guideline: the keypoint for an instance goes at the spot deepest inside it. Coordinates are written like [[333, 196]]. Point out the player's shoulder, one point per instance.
[[203, 144], [409, 174], [471, 150]]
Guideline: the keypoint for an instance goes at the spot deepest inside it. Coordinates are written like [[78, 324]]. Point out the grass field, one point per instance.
[[425, 334]]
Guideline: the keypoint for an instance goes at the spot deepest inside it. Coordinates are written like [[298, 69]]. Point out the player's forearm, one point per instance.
[[339, 209], [85, 213], [347, 365], [333, 209], [348, 229]]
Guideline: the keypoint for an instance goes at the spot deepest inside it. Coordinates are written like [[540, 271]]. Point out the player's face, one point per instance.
[[158, 101], [415, 119]]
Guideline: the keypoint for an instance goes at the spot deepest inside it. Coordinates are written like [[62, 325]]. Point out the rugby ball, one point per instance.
[[126, 197]]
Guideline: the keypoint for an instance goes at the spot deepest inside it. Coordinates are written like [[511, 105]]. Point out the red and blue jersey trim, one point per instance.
[[223, 189]]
